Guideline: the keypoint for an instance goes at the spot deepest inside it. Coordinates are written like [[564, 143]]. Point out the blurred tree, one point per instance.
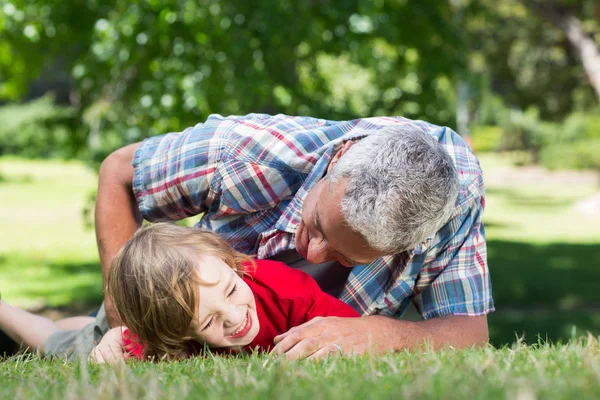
[[526, 60], [141, 67], [162, 66], [38, 34], [563, 14], [148, 67]]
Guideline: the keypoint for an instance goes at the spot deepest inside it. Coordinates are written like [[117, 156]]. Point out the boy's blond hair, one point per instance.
[[154, 283]]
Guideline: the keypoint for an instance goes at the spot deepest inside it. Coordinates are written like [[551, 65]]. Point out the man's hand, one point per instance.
[[321, 337], [111, 348], [377, 335]]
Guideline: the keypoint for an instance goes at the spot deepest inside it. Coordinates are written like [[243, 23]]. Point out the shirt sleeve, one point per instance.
[[173, 173], [132, 345], [213, 169], [455, 278]]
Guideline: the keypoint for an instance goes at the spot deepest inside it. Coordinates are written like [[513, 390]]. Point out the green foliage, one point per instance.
[[38, 33], [526, 131], [144, 68], [584, 154], [180, 61], [527, 60], [575, 143], [571, 144], [580, 126], [38, 129], [486, 138], [141, 68]]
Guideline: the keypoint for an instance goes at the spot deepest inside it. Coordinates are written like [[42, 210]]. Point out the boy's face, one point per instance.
[[226, 314]]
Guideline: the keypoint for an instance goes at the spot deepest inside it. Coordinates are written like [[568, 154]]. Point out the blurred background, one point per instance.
[[519, 79]]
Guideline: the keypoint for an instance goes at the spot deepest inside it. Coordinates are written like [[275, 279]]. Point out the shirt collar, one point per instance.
[[290, 219]]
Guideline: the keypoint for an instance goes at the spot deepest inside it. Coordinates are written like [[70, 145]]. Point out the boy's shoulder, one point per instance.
[[279, 280]]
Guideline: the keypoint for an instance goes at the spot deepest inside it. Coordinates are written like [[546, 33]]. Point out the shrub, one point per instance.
[[39, 129], [486, 138], [579, 126], [584, 154], [525, 131]]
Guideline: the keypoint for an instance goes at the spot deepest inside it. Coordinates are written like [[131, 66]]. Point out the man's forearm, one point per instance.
[[318, 337], [437, 333], [116, 214]]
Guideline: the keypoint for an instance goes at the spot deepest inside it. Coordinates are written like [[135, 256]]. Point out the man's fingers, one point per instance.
[[326, 351], [303, 349], [289, 333], [286, 343], [302, 327]]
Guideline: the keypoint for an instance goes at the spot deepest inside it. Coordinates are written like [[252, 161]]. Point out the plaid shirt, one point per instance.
[[249, 176]]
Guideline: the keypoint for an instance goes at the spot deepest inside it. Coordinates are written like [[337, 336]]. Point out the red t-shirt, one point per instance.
[[285, 297]]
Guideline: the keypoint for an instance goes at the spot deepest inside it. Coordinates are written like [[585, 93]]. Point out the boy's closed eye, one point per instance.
[[231, 292]]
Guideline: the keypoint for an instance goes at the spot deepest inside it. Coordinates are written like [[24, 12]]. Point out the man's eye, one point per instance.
[[233, 290], [348, 263]]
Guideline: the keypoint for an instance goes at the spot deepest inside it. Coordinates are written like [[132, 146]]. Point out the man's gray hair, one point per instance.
[[401, 187]]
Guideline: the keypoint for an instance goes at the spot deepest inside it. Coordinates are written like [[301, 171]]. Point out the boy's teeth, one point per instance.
[[242, 326]]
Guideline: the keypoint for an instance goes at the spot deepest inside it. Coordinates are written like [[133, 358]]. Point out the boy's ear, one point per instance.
[[340, 153]]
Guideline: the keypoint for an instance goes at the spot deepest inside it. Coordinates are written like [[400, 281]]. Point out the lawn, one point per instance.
[[47, 256], [543, 255], [543, 259], [521, 372]]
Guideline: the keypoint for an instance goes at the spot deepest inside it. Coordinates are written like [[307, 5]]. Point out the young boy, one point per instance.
[[175, 288]]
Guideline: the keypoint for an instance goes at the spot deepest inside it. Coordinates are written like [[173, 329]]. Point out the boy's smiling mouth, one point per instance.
[[244, 327]]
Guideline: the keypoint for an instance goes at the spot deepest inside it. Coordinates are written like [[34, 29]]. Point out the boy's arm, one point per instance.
[[116, 215]]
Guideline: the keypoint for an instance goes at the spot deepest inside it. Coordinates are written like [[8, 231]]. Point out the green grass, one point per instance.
[[47, 256], [523, 372], [543, 256]]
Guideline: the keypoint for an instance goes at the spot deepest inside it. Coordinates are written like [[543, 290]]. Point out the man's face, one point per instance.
[[322, 234], [226, 315]]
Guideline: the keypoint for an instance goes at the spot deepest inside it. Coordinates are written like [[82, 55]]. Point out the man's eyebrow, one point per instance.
[[318, 226], [317, 220]]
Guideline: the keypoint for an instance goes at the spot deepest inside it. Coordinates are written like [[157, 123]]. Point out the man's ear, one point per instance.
[[340, 153]]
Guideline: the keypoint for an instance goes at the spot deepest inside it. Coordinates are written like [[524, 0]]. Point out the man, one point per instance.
[[387, 210]]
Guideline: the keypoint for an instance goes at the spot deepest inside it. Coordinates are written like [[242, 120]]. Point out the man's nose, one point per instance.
[[318, 252]]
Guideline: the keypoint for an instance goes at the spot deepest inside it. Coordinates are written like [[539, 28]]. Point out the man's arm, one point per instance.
[[117, 216], [378, 335]]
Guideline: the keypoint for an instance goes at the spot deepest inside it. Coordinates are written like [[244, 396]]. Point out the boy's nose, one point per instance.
[[233, 316]]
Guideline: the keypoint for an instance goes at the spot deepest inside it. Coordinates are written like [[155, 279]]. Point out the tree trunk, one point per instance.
[[586, 48]]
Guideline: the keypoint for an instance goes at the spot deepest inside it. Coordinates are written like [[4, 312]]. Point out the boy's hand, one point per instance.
[[111, 348]]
